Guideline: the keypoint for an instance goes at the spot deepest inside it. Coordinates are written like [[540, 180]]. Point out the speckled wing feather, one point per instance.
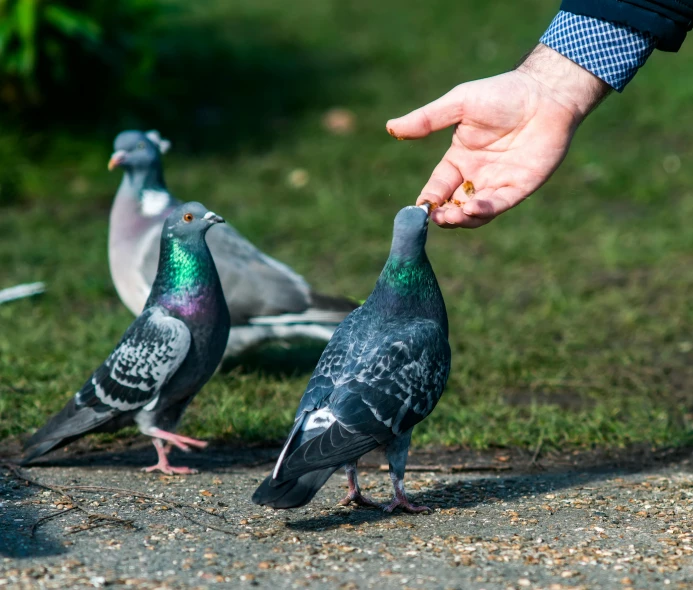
[[147, 356], [396, 382], [346, 344]]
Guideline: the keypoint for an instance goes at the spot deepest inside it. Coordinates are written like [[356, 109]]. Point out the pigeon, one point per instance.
[[267, 300], [164, 358], [382, 372]]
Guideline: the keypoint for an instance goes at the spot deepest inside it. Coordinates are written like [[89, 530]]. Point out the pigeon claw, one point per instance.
[[169, 469], [358, 499], [406, 506]]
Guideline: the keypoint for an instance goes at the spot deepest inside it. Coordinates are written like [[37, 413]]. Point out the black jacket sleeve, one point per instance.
[[666, 20]]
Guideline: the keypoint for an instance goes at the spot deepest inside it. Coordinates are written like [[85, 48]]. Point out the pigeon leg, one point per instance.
[[182, 442], [354, 495], [397, 452], [163, 464]]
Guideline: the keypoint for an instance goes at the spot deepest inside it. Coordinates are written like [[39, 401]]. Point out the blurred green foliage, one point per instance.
[[56, 50]]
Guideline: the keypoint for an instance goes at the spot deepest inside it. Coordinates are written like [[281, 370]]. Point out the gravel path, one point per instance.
[[568, 522]]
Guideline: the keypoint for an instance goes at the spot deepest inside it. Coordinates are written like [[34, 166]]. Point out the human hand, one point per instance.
[[511, 133]]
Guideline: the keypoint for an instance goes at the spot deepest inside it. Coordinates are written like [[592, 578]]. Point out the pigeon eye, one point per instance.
[[188, 217], [140, 145]]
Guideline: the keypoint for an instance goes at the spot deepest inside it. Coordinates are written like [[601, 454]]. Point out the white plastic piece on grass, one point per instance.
[[21, 291]]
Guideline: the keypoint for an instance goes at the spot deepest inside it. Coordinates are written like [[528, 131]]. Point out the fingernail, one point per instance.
[[392, 132]]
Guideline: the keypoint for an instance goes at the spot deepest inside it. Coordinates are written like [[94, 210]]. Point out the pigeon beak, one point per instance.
[[213, 217], [426, 207], [116, 159]]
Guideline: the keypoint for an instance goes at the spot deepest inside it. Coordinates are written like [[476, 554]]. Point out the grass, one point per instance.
[[571, 317]]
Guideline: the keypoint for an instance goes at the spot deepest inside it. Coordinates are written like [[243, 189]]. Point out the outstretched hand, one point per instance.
[[511, 133]]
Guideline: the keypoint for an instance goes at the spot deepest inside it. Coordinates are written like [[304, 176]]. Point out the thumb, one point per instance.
[[437, 115]]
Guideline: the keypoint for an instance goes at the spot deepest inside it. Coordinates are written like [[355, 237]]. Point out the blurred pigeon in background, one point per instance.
[[266, 299], [166, 355], [382, 372]]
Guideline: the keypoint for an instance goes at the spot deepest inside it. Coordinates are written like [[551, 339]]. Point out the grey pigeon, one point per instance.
[[382, 372], [166, 355], [266, 299]]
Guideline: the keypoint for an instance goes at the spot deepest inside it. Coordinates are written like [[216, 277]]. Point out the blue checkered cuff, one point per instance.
[[610, 51]]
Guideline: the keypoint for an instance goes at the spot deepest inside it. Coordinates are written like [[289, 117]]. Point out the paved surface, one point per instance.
[[569, 522]]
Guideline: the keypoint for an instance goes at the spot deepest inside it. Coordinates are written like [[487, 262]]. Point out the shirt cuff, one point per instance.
[[612, 52]]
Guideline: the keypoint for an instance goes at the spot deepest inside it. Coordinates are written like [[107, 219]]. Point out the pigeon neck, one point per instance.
[[185, 279], [407, 275], [150, 178], [408, 285]]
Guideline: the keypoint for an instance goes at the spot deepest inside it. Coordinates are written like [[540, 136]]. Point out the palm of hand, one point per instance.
[[509, 137]]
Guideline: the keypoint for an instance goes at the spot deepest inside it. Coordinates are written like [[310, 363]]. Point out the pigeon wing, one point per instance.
[[255, 284], [346, 344], [384, 390], [150, 352], [148, 355], [395, 383]]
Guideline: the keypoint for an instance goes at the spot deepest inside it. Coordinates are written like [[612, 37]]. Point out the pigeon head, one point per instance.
[[407, 284], [190, 221], [186, 275], [136, 150], [410, 231]]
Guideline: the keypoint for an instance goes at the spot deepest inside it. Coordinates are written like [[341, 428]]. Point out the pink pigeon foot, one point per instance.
[[405, 505], [354, 495], [357, 498], [163, 465], [400, 500], [182, 442]]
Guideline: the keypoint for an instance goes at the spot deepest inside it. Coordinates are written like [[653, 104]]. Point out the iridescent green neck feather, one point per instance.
[[409, 277], [408, 286], [184, 269], [185, 277]]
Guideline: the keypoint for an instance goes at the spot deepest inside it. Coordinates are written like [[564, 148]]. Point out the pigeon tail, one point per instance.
[[293, 493], [39, 450], [66, 426], [331, 448], [324, 309], [311, 454]]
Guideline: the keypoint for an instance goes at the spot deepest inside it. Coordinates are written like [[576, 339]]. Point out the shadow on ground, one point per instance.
[[138, 453], [17, 518], [518, 474], [529, 478]]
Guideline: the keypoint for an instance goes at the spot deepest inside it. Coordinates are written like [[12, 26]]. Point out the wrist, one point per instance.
[[569, 84]]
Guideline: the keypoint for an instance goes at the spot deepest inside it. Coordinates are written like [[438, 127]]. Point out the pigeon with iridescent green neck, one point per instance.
[[382, 372], [166, 355], [266, 299]]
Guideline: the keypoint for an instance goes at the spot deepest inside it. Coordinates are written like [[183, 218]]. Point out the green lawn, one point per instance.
[[570, 317]]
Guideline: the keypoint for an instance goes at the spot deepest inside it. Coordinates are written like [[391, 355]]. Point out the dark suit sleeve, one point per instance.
[[666, 20]]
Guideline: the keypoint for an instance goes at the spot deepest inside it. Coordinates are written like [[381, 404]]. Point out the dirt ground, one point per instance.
[[501, 520]]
